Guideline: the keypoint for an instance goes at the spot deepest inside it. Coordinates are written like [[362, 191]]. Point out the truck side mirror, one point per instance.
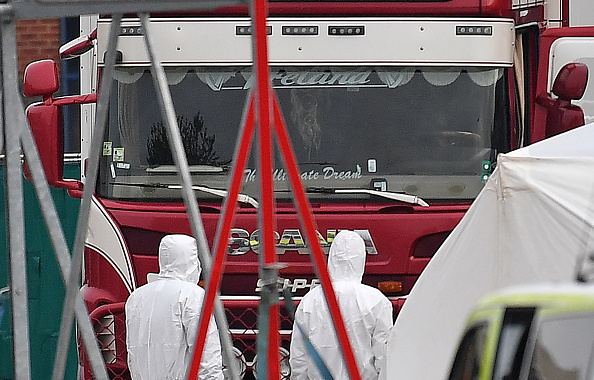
[[41, 79], [571, 81], [569, 85], [78, 46]]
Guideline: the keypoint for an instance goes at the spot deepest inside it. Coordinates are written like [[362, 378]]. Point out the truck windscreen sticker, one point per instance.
[[118, 154], [326, 173], [315, 77], [107, 148]]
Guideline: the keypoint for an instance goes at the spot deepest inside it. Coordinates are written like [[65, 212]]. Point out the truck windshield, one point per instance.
[[430, 132]]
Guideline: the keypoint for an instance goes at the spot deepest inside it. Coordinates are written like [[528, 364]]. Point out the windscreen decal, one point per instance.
[[326, 78], [118, 154], [326, 173], [378, 77], [244, 80], [107, 148]]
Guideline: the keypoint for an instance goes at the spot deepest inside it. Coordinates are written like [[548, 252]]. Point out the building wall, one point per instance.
[[37, 39]]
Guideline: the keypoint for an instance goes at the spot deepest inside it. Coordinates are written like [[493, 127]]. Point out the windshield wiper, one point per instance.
[[243, 198], [172, 169], [400, 197]]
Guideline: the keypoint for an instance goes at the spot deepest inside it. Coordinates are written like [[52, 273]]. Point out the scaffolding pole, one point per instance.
[[16, 133], [12, 125], [263, 117]]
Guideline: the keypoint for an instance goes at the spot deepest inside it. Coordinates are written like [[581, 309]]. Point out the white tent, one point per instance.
[[532, 222]]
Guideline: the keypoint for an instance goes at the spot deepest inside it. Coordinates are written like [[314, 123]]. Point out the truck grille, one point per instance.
[[242, 314]]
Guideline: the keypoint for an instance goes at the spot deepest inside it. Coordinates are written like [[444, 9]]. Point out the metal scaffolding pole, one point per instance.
[[73, 282], [181, 162], [262, 114], [15, 133], [12, 123]]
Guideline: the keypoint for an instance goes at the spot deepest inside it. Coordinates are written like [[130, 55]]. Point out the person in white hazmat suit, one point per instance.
[[367, 315], [162, 318]]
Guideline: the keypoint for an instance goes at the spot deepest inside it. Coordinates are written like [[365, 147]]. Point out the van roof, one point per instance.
[[561, 297]]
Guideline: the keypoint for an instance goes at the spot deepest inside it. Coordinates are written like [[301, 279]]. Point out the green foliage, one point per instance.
[[198, 144]]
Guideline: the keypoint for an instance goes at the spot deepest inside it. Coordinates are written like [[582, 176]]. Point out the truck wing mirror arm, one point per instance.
[[75, 99], [545, 100], [73, 186]]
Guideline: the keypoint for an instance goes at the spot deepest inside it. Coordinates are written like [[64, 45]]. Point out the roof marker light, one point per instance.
[[474, 30], [246, 30], [131, 31], [300, 30], [347, 30]]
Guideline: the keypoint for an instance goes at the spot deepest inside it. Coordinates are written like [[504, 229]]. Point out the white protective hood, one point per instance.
[[178, 259], [532, 222], [162, 318], [346, 259], [367, 315]]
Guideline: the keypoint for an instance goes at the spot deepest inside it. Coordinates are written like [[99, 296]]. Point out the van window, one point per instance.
[[512, 343], [563, 349], [470, 352]]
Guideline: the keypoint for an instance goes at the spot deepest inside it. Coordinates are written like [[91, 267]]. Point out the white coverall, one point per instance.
[[367, 315], [162, 318]]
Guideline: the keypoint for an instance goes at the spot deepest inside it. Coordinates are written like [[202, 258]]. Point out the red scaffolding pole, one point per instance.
[[262, 111]]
